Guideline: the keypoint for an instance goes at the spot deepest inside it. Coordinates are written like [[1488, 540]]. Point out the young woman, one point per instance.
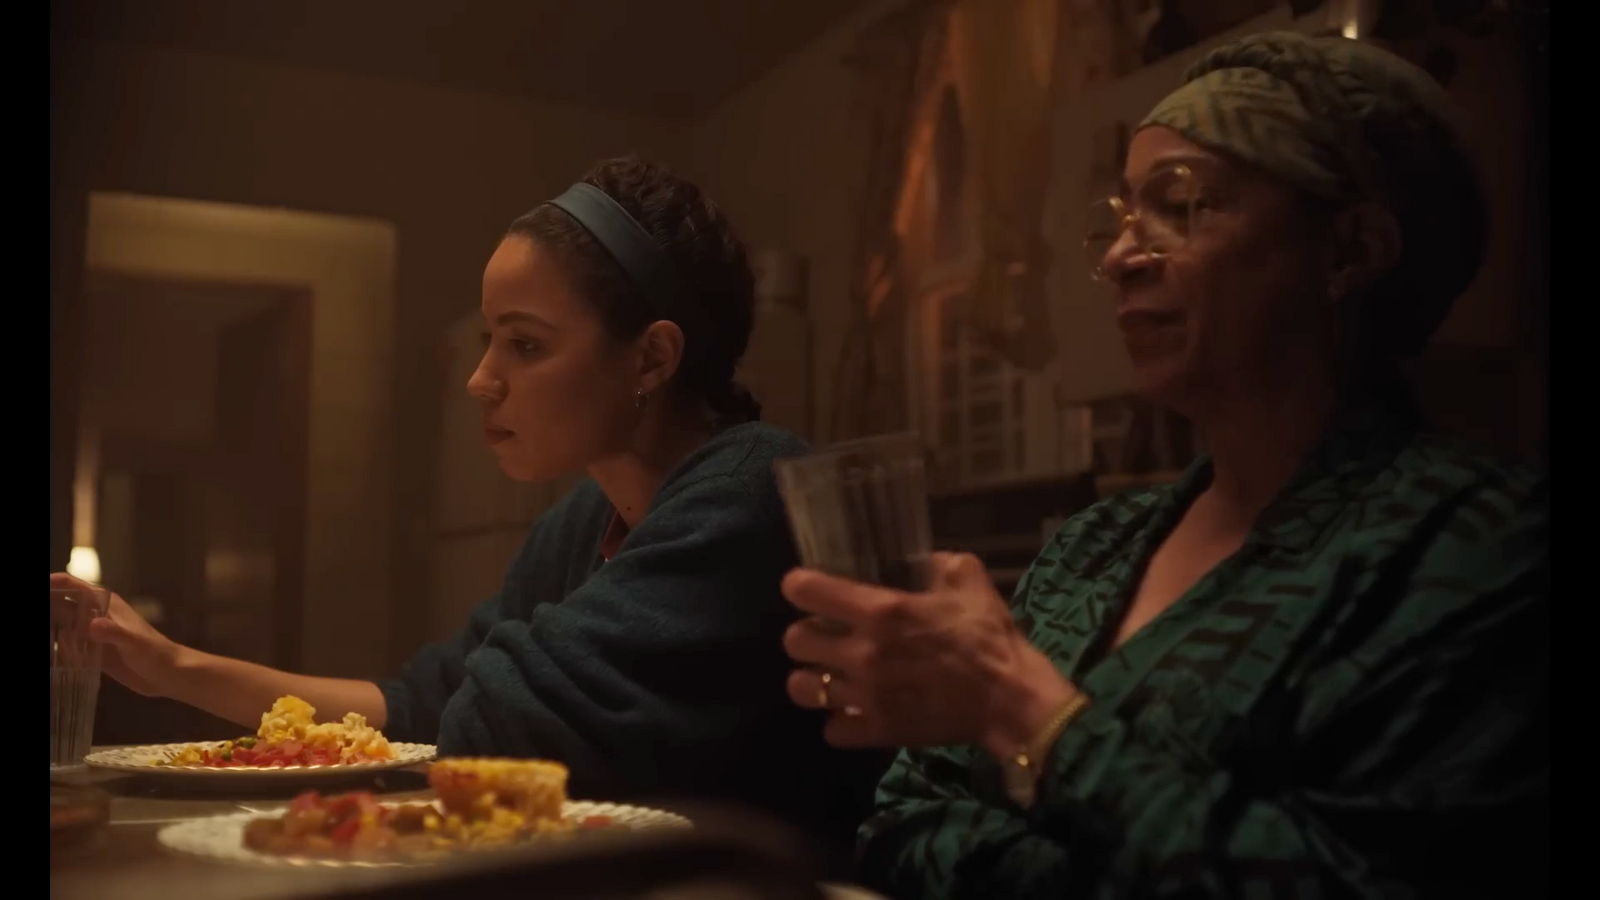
[[636, 637], [1317, 665]]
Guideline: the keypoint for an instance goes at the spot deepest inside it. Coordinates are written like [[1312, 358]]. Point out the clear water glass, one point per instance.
[[74, 672], [859, 510]]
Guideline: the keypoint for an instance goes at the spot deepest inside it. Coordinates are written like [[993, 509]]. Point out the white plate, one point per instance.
[[222, 837], [142, 760]]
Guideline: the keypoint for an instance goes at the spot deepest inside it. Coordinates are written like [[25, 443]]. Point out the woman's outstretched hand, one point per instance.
[[143, 659]]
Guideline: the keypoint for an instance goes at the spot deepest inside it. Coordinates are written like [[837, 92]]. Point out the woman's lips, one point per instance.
[[1133, 318], [496, 435]]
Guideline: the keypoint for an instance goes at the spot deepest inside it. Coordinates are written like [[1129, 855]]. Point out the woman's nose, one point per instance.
[[1125, 257], [484, 385]]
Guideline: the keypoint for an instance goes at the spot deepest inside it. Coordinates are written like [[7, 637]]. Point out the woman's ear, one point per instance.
[[660, 354], [1368, 245]]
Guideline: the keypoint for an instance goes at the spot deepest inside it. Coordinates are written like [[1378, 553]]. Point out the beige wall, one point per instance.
[[447, 169], [786, 156]]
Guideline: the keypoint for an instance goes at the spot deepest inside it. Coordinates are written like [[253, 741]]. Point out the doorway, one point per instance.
[[196, 395]]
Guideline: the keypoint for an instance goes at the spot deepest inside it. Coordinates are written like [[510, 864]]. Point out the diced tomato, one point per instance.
[[595, 822], [342, 805], [266, 755], [345, 831], [300, 822]]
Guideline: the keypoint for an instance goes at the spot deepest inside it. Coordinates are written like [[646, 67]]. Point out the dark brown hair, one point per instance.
[[700, 242]]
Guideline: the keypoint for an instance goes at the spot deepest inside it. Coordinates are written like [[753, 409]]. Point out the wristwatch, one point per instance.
[[1021, 770]]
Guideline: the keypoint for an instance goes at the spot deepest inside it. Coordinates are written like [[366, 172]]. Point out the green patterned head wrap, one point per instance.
[[1345, 121]]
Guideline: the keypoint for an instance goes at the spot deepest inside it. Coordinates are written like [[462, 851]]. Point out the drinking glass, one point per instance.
[[859, 510], [74, 672]]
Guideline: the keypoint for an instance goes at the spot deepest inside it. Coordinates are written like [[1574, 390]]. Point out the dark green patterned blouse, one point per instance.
[[1354, 704]]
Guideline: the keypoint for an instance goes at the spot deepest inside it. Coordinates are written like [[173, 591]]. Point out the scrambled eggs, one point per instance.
[[291, 719], [289, 735]]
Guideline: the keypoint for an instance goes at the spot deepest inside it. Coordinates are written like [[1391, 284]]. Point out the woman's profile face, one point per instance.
[[557, 390], [1233, 296]]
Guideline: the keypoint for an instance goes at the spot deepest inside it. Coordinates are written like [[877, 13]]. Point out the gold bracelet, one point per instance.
[[1039, 747]]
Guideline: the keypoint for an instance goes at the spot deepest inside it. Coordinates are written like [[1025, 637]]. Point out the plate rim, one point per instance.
[[177, 837], [418, 754]]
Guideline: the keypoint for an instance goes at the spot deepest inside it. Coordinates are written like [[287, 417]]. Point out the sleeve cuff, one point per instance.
[[397, 712]]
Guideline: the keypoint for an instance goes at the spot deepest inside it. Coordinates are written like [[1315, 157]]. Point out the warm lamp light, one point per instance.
[[84, 563]]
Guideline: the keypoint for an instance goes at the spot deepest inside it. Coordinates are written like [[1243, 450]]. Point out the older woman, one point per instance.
[[1316, 665]]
